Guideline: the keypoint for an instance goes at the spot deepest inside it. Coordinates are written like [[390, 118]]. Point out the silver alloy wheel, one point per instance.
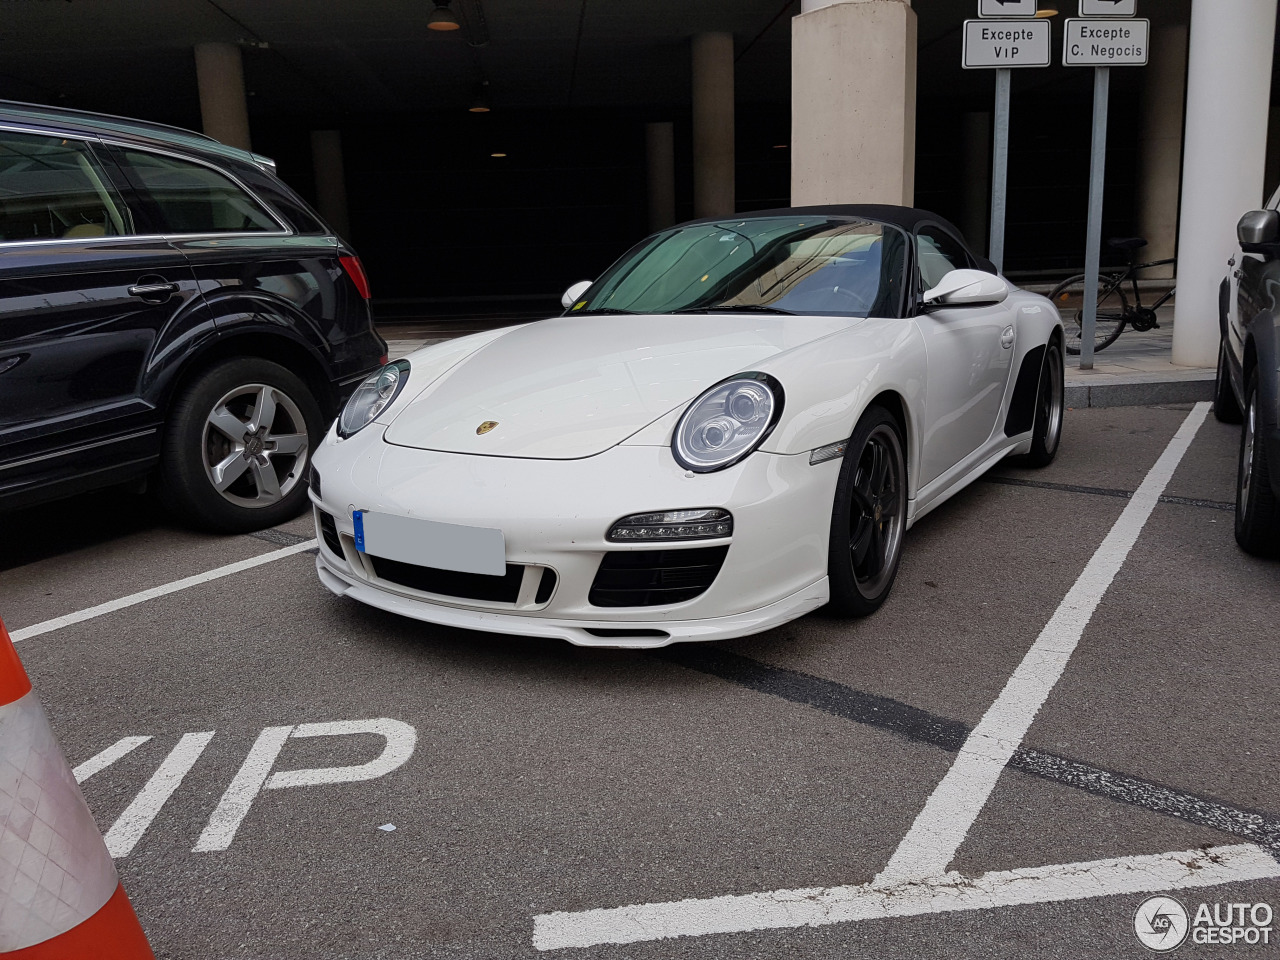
[[254, 445], [1246, 451], [1051, 401], [879, 511]]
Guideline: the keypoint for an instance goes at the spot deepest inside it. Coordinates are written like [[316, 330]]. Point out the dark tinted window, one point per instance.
[[193, 198], [53, 189], [938, 253]]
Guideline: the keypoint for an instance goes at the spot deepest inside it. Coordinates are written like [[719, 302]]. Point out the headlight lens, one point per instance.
[[372, 397], [727, 422]]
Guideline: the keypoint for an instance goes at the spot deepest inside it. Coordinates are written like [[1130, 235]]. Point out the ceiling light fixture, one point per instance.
[[497, 154], [442, 18], [480, 102], [1046, 11]]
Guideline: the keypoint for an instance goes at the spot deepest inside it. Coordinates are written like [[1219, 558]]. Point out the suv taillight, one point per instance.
[[355, 270]]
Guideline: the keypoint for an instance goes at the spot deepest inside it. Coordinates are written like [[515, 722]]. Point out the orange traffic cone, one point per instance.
[[59, 893]]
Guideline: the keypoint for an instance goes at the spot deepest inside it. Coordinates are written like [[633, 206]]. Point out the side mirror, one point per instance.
[[967, 288], [1257, 228], [573, 293]]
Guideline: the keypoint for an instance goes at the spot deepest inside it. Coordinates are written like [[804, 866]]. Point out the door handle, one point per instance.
[[1006, 338], [150, 291]]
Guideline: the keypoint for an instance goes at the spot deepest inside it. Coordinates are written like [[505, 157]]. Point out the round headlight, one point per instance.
[[372, 397], [727, 422]]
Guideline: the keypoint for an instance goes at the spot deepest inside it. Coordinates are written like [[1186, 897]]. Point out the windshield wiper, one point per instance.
[[744, 308], [611, 311]]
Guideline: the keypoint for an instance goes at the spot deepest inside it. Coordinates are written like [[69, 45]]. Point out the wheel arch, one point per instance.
[[277, 348], [896, 404]]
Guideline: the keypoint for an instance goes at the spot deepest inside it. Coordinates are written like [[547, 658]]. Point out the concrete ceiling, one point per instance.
[[336, 58]]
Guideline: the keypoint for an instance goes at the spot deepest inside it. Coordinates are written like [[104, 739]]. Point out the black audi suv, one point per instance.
[[170, 311]]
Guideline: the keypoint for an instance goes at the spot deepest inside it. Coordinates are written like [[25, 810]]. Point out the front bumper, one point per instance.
[[554, 515]]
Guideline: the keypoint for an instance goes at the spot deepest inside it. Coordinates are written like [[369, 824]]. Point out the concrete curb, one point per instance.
[[1138, 391]]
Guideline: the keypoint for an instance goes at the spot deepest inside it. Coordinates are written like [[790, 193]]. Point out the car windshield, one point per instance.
[[788, 265]]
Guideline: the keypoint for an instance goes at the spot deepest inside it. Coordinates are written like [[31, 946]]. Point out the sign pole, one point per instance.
[[1093, 243], [1000, 168]]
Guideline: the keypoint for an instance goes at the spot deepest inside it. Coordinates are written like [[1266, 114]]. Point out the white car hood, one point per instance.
[[573, 387]]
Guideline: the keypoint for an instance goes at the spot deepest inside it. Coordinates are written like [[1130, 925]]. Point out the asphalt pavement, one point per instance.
[[528, 779]]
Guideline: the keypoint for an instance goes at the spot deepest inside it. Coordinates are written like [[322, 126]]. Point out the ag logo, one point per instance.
[[486, 427], [1161, 923]]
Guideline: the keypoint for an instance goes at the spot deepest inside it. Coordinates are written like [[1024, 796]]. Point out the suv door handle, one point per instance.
[[158, 292]]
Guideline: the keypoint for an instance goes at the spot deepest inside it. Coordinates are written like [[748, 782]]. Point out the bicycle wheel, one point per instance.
[[1113, 308]]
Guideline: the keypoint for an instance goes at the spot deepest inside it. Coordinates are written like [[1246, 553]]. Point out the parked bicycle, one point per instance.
[[1114, 309]]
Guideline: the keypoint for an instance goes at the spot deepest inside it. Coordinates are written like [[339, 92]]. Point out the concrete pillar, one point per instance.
[[976, 143], [713, 160], [223, 108], [1164, 88], [660, 154], [1228, 100], [331, 182], [853, 102]]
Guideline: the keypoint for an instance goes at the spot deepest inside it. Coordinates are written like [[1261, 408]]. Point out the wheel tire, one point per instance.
[[1257, 512], [869, 516], [195, 448], [1068, 297], [1225, 406], [1047, 435]]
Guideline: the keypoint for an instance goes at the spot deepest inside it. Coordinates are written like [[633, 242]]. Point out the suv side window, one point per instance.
[[938, 253], [54, 189], [192, 198]]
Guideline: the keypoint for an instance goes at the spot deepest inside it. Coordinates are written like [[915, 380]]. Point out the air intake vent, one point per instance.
[[449, 583], [651, 578], [329, 531]]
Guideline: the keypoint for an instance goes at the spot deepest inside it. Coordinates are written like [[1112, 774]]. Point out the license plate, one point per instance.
[[428, 543]]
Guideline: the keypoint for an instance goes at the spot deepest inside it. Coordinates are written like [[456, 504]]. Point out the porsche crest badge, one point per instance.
[[486, 426]]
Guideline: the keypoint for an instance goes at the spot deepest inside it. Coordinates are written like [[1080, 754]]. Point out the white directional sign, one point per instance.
[[1106, 43], [1108, 8], [1007, 8], [1000, 44]]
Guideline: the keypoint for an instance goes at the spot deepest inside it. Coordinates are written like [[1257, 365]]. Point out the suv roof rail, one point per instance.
[[111, 122]]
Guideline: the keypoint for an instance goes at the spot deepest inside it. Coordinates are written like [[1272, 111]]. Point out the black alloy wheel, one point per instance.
[[1050, 403], [869, 516], [1257, 511]]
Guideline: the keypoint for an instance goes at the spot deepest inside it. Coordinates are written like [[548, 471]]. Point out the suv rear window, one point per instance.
[[53, 189], [192, 198]]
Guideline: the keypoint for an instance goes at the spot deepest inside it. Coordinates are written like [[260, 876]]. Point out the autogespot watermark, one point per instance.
[[1163, 923]]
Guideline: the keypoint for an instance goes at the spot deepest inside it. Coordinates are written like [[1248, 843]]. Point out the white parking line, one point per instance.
[[57, 623], [942, 825], [132, 824], [107, 757], [817, 906], [914, 879]]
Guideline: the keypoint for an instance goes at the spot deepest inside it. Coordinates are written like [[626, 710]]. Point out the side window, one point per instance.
[[938, 254], [192, 198], [54, 189]]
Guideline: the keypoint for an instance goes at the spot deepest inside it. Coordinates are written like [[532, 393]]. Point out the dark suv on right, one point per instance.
[[169, 310]]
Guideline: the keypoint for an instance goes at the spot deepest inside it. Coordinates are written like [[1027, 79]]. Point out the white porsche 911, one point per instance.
[[733, 426]]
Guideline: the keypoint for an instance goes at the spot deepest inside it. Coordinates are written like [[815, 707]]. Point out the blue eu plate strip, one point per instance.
[[358, 519]]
